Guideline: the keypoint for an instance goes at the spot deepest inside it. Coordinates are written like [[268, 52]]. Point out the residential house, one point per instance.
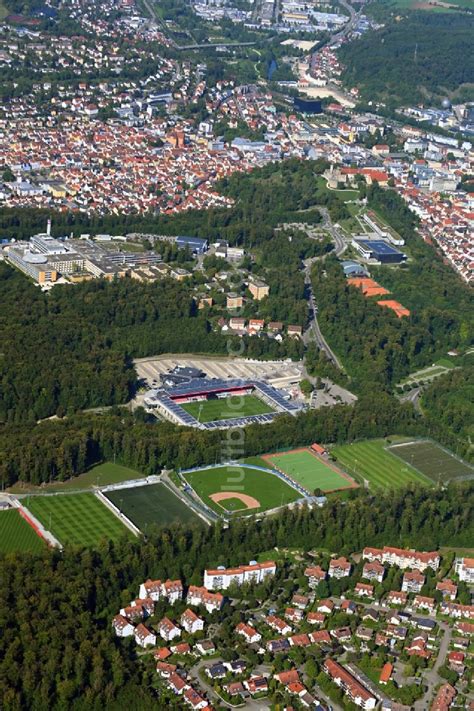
[[143, 636], [339, 568], [364, 590], [448, 589], [315, 575], [356, 692], [172, 590], [413, 581], [248, 633], [397, 598], [464, 569], [168, 630], [201, 596], [373, 571], [151, 589], [191, 622], [122, 627]]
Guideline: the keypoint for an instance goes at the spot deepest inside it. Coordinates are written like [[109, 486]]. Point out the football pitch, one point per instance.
[[373, 462], [434, 461], [236, 488], [309, 470], [17, 535], [153, 504], [227, 408], [79, 519]]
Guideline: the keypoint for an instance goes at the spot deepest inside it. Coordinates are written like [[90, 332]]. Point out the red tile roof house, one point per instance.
[[173, 590], [256, 685], [177, 684], [315, 618], [349, 607], [168, 630], [165, 670], [293, 614], [122, 627], [320, 637], [456, 661], [151, 589], [300, 601], [339, 568], [444, 698], [278, 624], [413, 582], [364, 590], [315, 575], [143, 636], [386, 673], [287, 677], [397, 598], [325, 606], [357, 693], [421, 602], [373, 571], [193, 699], [181, 648], [249, 633], [448, 589], [191, 622], [201, 596]]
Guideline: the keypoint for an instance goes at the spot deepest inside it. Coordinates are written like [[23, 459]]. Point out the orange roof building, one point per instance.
[[399, 310], [369, 287], [386, 673]]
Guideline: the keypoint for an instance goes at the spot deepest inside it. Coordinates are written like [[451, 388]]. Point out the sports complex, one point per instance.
[[218, 404]]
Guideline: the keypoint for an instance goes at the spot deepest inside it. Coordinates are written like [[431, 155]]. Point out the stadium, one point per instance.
[[219, 404]]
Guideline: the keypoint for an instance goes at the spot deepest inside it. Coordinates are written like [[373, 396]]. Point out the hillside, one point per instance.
[[420, 57]]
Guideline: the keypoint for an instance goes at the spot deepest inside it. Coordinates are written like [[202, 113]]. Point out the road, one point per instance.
[[414, 397], [313, 331], [431, 677], [339, 241]]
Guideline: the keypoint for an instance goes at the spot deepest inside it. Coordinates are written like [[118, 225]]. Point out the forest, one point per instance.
[[57, 650], [448, 403], [417, 58]]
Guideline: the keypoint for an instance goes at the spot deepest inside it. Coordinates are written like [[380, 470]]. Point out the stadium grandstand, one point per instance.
[[173, 403]]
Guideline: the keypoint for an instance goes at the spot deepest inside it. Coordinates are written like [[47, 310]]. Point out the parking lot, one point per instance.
[[280, 374]]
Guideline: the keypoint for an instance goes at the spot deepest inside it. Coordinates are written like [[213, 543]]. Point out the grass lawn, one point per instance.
[[79, 518], [371, 461], [17, 535], [267, 488], [154, 504], [227, 408], [309, 471], [101, 475], [432, 460]]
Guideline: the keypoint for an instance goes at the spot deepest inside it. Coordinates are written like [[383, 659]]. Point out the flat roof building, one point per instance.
[[197, 245], [379, 250]]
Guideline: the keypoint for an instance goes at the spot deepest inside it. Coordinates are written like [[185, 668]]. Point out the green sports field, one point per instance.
[[153, 504], [227, 408], [309, 471], [372, 462], [431, 459], [100, 475], [267, 488], [17, 535], [76, 518]]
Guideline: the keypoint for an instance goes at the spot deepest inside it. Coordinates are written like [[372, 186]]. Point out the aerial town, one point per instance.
[[384, 629], [236, 355]]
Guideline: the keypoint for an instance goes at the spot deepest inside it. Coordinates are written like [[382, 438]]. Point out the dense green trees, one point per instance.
[[448, 404], [419, 57], [57, 650]]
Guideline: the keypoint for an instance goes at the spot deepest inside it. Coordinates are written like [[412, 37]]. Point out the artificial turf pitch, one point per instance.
[[373, 462], [76, 518], [309, 471], [266, 487], [17, 535], [153, 504], [228, 408], [431, 459]]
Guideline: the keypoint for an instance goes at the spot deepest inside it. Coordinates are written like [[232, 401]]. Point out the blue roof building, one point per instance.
[[197, 245]]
